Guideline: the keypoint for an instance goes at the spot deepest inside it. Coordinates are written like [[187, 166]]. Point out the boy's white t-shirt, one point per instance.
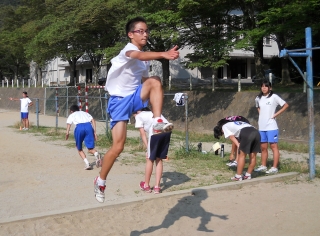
[[267, 109], [79, 117], [145, 119], [25, 104], [234, 128], [126, 73]]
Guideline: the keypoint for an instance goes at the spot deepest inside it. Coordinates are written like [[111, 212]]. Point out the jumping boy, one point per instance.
[[85, 131], [25, 104], [127, 95]]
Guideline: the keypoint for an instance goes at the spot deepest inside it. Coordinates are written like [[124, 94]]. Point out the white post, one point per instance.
[[270, 78], [42, 83], [23, 83], [239, 82], [17, 83], [28, 83], [212, 83], [7, 83], [12, 83], [190, 83], [169, 82], [35, 83], [2, 83]]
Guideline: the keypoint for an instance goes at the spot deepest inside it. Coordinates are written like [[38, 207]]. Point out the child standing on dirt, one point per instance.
[[85, 131], [25, 104], [266, 103], [127, 93], [157, 148]]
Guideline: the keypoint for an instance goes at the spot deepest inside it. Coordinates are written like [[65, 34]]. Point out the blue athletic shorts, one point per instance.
[[270, 136], [24, 115], [159, 145], [121, 108], [84, 132]]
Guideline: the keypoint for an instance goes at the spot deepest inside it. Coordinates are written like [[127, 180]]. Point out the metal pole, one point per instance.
[[107, 116], [28, 83], [212, 83], [186, 122], [67, 103], [169, 82], [304, 82], [45, 100], [270, 78], [57, 109], [17, 83], [239, 82], [37, 111], [310, 103]]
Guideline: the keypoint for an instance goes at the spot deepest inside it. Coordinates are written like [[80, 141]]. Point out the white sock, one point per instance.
[[96, 154], [247, 174], [101, 182], [86, 161], [238, 176]]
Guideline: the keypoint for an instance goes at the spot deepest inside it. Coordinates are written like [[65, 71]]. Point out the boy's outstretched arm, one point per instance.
[[171, 54]]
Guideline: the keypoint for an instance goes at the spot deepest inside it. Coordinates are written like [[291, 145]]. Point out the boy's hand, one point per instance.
[[67, 136], [172, 54]]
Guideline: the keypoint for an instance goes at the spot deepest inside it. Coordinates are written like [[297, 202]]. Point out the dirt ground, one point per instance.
[[39, 180]]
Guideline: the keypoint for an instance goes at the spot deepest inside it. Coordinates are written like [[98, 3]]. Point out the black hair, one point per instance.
[[25, 93], [217, 130], [143, 109], [146, 109], [267, 84], [132, 23], [74, 108]]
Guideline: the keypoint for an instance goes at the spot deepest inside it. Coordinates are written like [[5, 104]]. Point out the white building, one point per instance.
[[57, 72]]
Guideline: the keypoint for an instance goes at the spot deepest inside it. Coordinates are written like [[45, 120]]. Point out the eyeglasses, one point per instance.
[[141, 31]]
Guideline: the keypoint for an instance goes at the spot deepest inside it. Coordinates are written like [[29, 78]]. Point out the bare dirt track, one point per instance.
[[44, 179]]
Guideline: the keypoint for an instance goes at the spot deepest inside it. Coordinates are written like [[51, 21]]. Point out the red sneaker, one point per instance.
[[143, 188]]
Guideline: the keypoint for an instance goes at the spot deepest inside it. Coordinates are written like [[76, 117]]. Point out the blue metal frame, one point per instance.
[[308, 55]]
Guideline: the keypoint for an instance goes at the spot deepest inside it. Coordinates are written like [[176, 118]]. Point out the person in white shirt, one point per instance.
[[157, 147], [266, 103], [130, 88], [85, 131], [247, 139], [25, 104]]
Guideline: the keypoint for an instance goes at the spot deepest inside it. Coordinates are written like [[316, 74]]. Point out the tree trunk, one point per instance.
[[285, 71], [73, 74], [39, 75], [215, 74], [258, 58], [165, 72]]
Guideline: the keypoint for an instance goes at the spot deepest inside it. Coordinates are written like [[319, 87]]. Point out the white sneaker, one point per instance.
[[98, 161], [98, 190], [234, 164], [261, 169], [87, 167], [272, 170], [160, 127]]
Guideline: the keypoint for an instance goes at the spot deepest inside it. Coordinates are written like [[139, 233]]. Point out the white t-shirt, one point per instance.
[[25, 104], [145, 119], [79, 117], [234, 128], [126, 73], [267, 109]]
